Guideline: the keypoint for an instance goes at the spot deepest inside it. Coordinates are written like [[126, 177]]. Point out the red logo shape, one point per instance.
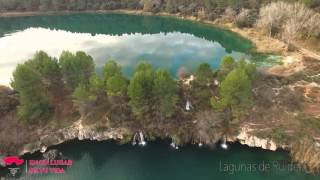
[[9, 160]]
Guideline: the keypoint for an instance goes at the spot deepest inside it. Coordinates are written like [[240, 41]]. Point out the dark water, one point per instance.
[[158, 161], [164, 42]]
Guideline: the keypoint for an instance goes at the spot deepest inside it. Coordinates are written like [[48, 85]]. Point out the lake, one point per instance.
[[164, 42], [159, 161]]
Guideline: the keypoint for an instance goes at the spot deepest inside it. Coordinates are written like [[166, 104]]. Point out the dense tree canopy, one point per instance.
[[117, 85], [140, 89], [151, 91], [165, 93], [203, 74], [235, 89], [38, 82], [200, 86], [226, 65], [110, 69], [76, 68]]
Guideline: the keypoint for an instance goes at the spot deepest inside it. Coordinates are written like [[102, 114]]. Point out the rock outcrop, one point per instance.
[[75, 131], [245, 138]]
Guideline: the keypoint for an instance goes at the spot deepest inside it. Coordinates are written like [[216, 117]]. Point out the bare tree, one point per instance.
[[289, 21], [229, 14], [242, 19]]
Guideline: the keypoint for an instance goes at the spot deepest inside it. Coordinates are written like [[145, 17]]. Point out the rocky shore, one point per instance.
[[75, 131]]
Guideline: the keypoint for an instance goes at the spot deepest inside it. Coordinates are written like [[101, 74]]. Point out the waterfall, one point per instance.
[[142, 142], [43, 149], [134, 140], [188, 106], [174, 145], [138, 137], [224, 144], [200, 143]]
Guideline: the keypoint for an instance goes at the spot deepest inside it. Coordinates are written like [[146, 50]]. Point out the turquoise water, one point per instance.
[[158, 161], [164, 42]]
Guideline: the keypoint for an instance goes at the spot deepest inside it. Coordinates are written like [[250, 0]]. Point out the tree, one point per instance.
[[227, 64], [58, 4], [110, 69], [96, 88], [171, 6], [76, 68], [117, 85], [143, 66], [200, 86], [292, 21], [140, 89], [91, 92], [44, 5], [246, 18], [50, 72], [81, 93], [38, 82], [203, 74], [249, 68], [209, 4], [34, 104], [165, 93], [235, 93]]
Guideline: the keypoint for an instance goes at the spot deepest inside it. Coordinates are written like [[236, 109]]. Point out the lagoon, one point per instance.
[[158, 161], [163, 41]]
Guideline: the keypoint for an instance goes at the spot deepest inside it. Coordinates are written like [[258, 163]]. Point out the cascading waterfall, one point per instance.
[[174, 145], [138, 137], [224, 144], [188, 106], [134, 140], [200, 143], [142, 142]]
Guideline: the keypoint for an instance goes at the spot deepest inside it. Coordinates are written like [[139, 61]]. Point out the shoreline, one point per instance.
[[291, 60], [122, 135], [262, 44]]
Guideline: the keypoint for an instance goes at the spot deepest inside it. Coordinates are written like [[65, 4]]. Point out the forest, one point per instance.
[[46, 86], [184, 6]]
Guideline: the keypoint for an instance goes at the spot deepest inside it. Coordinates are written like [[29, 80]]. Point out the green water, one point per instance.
[[158, 161], [164, 42]]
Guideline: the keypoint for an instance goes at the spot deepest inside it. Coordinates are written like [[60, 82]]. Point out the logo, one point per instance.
[[8, 161], [14, 166], [13, 160]]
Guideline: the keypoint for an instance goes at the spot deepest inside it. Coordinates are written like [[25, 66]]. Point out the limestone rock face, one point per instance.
[[252, 141], [75, 131]]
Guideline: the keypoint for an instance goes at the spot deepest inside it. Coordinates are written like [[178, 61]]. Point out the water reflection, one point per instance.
[[168, 50]]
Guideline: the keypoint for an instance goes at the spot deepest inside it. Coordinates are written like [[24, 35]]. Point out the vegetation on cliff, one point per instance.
[[43, 80], [234, 96]]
